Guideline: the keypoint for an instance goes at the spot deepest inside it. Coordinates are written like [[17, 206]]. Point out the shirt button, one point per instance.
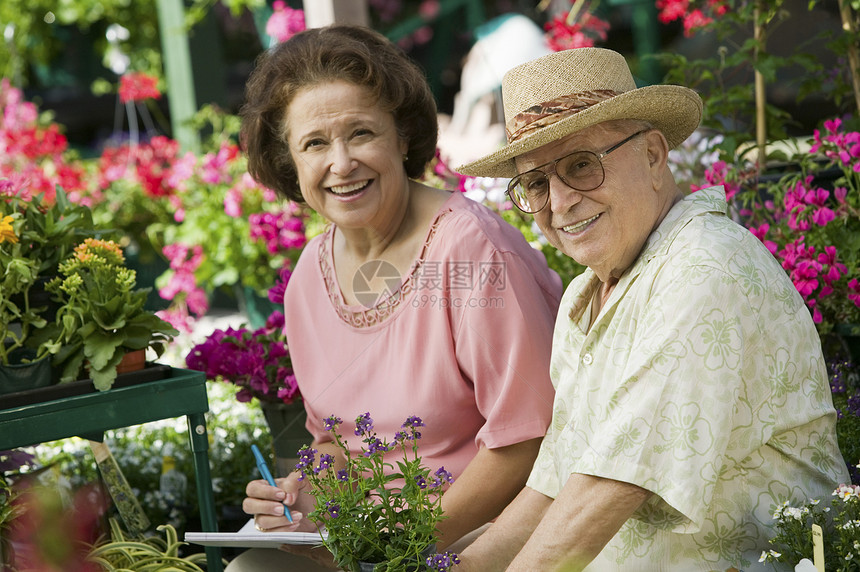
[[587, 359]]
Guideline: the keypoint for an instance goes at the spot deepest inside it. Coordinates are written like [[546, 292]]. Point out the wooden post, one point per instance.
[[849, 24], [177, 66], [319, 13], [760, 34]]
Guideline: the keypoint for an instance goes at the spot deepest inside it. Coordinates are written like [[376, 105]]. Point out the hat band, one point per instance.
[[553, 111]]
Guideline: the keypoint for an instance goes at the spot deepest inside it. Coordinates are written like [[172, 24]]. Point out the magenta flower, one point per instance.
[[256, 362], [854, 291]]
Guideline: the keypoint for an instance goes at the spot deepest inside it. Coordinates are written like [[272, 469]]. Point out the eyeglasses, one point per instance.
[[581, 171]]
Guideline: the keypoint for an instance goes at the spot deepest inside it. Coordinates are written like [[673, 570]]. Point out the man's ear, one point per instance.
[[658, 148]]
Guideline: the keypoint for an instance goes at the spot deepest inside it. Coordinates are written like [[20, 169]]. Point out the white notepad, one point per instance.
[[250, 537]]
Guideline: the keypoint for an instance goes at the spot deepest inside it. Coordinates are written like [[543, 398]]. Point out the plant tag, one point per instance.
[[126, 502], [818, 548]]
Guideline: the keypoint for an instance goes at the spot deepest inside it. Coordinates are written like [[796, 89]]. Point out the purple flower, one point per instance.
[[401, 436], [331, 422], [441, 476], [363, 424], [374, 445], [333, 509], [326, 461], [443, 562], [421, 482], [15, 459], [342, 476], [413, 421], [306, 460]]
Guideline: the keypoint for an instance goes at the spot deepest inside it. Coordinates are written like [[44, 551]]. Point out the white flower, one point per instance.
[[846, 492], [769, 555]]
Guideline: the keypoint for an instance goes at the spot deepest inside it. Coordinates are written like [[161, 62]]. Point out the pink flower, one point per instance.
[[805, 277], [284, 22], [216, 166], [760, 232], [233, 202], [137, 86], [280, 231], [429, 9], [181, 171], [671, 10], [835, 269], [822, 216], [562, 35], [854, 292]]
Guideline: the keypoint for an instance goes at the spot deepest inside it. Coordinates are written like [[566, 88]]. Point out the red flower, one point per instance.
[[693, 17], [137, 86]]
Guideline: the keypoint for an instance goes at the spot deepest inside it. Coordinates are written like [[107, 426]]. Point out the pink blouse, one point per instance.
[[463, 341]]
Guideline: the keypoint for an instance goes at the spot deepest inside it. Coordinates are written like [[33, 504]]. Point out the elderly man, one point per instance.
[[692, 398]]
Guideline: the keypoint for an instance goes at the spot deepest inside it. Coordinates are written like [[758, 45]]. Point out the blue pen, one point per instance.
[[266, 474]]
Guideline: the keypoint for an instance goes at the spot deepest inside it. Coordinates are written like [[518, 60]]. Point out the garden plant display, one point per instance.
[[257, 361], [372, 515], [101, 315], [839, 518], [812, 226]]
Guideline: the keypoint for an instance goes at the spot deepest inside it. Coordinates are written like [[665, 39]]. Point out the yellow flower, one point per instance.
[[106, 249], [7, 233]]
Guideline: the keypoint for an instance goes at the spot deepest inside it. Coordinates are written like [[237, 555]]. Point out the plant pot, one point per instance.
[[849, 339], [20, 376], [256, 308], [287, 425], [410, 567], [132, 361]]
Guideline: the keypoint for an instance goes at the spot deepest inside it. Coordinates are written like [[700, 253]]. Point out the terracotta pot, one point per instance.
[[132, 361]]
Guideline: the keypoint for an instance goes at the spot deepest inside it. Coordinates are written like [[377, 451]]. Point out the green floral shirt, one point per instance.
[[702, 381]]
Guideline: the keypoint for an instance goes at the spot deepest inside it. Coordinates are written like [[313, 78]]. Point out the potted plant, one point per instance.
[[375, 518], [124, 552], [839, 520], [34, 236], [257, 361], [101, 317]]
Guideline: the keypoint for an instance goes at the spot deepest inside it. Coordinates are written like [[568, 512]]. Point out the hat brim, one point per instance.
[[673, 109]]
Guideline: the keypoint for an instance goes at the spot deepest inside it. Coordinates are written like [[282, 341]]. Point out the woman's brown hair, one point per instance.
[[335, 53]]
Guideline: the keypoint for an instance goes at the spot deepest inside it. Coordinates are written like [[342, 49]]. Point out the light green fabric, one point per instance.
[[701, 380]]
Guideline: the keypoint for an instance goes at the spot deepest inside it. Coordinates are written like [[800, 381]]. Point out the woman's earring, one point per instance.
[[405, 157]]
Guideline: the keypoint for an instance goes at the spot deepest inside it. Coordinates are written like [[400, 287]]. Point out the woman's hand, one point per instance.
[[266, 504]]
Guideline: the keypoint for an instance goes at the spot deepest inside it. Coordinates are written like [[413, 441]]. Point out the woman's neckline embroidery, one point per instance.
[[385, 307]]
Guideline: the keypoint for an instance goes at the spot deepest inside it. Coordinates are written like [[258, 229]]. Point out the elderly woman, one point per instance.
[[415, 300], [691, 394]]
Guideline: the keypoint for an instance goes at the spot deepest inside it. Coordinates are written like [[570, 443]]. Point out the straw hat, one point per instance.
[[564, 92]]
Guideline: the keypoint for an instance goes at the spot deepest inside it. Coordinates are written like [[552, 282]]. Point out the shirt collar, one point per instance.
[[708, 200]]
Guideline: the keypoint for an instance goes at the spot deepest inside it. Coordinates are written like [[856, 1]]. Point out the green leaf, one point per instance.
[[101, 347]]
